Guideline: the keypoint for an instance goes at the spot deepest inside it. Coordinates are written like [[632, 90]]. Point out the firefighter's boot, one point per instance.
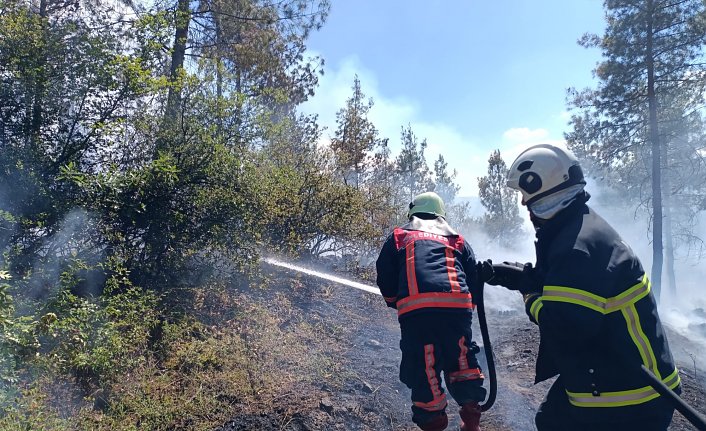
[[470, 415], [439, 423]]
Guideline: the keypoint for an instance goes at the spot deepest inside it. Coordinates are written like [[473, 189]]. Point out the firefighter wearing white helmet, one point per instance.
[[590, 297], [427, 271], [548, 178]]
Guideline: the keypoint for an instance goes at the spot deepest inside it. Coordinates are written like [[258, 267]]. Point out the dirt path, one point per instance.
[[367, 395]]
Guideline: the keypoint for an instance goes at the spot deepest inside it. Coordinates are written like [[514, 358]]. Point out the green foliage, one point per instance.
[[93, 342], [356, 139], [32, 411], [502, 220], [8, 338], [643, 124], [444, 185], [411, 165], [611, 126], [133, 175], [303, 205], [97, 341], [6, 307], [18, 341]]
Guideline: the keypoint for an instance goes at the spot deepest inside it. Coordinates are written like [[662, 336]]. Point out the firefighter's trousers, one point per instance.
[[437, 341]]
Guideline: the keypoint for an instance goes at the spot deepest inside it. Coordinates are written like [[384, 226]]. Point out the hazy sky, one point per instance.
[[469, 75]]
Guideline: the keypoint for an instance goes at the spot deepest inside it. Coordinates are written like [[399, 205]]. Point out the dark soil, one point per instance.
[[368, 394]]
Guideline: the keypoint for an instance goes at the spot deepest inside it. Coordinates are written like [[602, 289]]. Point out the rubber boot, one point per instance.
[[470, 415], [439, 423]]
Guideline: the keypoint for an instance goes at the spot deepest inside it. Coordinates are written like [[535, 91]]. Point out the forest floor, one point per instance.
[[359, 336]]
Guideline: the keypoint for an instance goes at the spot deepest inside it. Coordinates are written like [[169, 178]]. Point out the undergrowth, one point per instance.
[[120, 363]]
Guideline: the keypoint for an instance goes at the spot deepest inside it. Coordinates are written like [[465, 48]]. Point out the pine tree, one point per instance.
[[652, 58], [502, 221], [411, 165], [254, 48], [356, 138], [444, 185]]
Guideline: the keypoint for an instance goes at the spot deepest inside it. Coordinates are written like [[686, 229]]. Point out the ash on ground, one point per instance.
[[366, 393]]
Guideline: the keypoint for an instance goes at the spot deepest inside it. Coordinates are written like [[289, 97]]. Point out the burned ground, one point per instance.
[[359, 339]]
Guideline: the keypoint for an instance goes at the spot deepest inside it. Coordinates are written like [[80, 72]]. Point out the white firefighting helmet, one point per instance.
[[542, 170], [428, 203]]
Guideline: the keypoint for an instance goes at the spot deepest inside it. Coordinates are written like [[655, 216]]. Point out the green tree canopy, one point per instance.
[[502, 221], [651, 86]]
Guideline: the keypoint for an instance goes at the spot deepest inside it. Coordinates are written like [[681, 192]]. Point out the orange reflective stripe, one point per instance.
[[438, 401], [434, 405], [436, 300], [462, 358], [451, 269], [411, 272], [463, 375], [429, 361]]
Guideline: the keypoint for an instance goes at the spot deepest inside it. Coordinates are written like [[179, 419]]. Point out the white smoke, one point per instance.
[[498, 298], [684, 313], [72, 240]]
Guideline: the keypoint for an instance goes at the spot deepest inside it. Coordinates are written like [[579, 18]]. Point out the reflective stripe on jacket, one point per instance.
[[426, 265], [597, 317]]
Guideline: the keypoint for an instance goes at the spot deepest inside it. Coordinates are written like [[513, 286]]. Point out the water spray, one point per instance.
[[478, 296], [339, 280]]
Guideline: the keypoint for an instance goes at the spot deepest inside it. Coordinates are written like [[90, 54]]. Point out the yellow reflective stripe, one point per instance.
[[597, 302], [534, 309], [640, 339], [622, 398], [630, 296], [574, 296], [624, 302]]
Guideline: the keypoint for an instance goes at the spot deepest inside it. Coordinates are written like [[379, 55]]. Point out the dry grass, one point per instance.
[[232, 354]]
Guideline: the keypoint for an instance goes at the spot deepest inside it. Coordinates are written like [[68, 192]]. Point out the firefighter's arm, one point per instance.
[[387, 272], [568, 307], [468, 262]]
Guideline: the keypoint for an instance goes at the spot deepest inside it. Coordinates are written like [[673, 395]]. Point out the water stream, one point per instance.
[[334, 278]]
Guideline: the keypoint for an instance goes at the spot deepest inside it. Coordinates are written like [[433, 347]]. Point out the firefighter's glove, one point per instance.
[[515, 276], [484, 271]]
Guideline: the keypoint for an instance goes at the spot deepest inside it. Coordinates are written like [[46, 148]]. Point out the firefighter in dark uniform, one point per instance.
[[591, 299], [427, 271]]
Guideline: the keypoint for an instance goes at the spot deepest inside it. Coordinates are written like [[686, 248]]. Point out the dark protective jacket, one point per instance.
[[597, 318], [425, 265]]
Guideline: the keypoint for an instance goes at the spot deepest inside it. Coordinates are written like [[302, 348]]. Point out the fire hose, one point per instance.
[[689, 413], [685, 409], [682, 406], [517, 270], [488, 348], [477, 299]]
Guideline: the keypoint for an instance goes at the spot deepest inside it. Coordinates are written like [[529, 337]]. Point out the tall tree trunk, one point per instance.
[[238, 112], [182, 19], [219, 69], [668, 236], [657, 256], [36, 112]]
